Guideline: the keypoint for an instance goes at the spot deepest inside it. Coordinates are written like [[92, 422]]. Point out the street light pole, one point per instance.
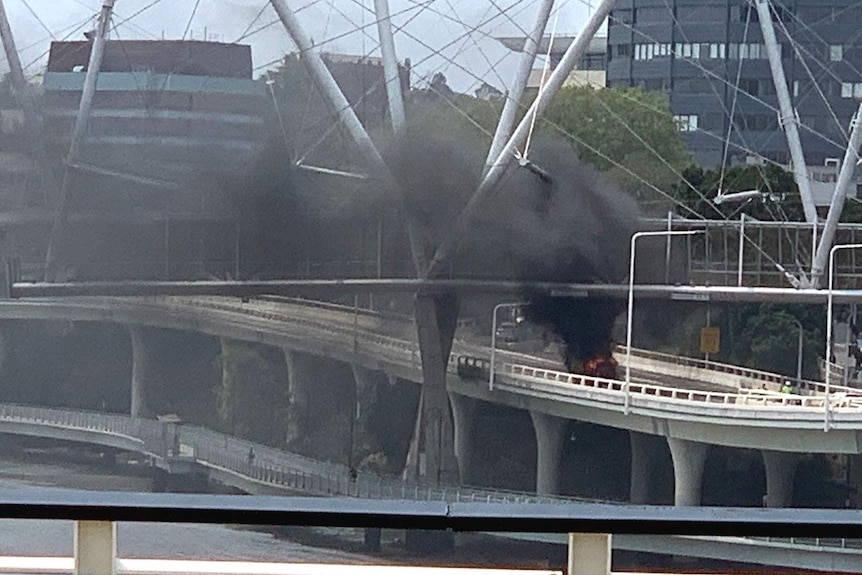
[[631, 305], [799, 352], [828, 355], [494, 337]]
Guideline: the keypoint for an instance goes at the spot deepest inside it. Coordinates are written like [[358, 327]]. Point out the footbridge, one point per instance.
[[191, 450]]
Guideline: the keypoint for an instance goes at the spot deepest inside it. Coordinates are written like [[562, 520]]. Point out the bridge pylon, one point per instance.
[[431, 458]]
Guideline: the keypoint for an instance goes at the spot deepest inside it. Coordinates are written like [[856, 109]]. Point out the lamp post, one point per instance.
[[631, 305], [828, 355], [799, 352], [494, 337]]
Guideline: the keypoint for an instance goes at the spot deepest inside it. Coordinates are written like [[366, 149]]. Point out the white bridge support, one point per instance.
[[589, 554], [433, 313], [339, 106], [463, 409], [390, 67], [688, 461], [839, 196], [788, 115], [95, 547], [97, 51], [519, 82], [495, 174], [147, 391], [550, 434], [780, 470]]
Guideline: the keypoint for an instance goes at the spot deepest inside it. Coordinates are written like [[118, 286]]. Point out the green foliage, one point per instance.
[[782, 195], [252, 396], [765, 336], [852, 212], [630, 134], [457, 116]]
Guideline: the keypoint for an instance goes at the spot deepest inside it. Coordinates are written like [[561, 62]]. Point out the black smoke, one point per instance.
[[570, 225]]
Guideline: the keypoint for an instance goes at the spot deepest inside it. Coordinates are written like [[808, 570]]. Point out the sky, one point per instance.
[[426, 27]]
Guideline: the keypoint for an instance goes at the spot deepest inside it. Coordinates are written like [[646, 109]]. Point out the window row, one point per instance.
[[714, 51], [693, 14]]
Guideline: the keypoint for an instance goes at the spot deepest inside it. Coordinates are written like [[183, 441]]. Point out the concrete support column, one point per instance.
[[644, 450], [463, 408], [780, 470], [550, 433], [300, 376], [431, 458], [95, 547], [147, 399], [367, 382], [589, 554], [688, 460]]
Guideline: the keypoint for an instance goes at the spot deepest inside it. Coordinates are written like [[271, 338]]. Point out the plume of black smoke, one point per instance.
[[571, 227]]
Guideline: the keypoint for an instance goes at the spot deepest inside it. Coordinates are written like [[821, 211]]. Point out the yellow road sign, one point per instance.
[[710, 338]]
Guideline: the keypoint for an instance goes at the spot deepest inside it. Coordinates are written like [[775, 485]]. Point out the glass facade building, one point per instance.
[[710, 57]]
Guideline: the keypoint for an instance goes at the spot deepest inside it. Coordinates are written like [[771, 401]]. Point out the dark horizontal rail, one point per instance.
[[348, 512], [396, 285]]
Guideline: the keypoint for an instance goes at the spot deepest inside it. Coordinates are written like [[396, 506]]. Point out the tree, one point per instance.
[[766, 337], [629, 134]]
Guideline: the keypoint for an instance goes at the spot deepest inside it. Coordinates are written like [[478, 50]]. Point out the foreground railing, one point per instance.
[[590, 526]]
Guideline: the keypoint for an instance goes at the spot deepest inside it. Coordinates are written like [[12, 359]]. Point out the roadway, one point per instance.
[[742, 416]]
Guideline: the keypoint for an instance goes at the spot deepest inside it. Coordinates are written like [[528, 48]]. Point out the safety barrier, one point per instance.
[[526, 378]]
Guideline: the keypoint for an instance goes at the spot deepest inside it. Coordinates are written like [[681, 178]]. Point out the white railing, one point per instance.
[[526, 378]]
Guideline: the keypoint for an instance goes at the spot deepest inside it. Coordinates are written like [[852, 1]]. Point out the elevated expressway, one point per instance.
[[738, 413], [743, 415]]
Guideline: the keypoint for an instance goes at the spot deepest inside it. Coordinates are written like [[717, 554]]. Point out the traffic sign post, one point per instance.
[[710, 339]]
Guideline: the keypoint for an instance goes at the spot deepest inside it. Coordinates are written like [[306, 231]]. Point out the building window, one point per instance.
[[836, 52], [795, 87], [717, 51], [686, 122], [624, 50], [851, 90]]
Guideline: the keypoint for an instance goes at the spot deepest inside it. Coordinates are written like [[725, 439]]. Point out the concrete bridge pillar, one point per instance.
[[463, 408], [367, 382], [300, 380], [780, 470], [688, 461], [147, 397], [550, 433], [644, 452], [431, 457]]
